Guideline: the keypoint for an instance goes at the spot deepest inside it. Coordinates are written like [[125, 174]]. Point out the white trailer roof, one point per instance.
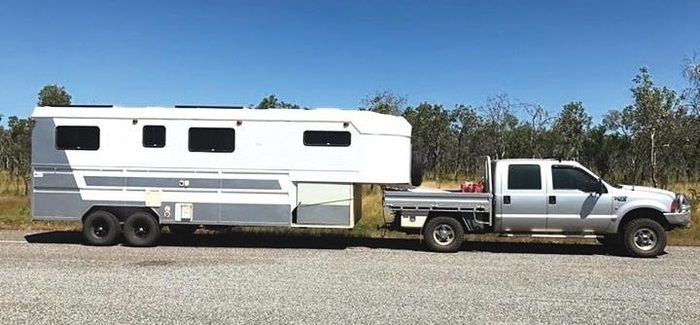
[[364, 121]]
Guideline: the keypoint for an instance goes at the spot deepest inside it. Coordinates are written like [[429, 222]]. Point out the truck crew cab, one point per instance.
[[543, 198]]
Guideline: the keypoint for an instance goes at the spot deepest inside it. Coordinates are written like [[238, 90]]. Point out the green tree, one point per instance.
[[272, 101], [431, 135], [15, 151], [384, 102], [651, 114], [691, 70], [54, 95], [499, 120], [570, 129], [467, 128]]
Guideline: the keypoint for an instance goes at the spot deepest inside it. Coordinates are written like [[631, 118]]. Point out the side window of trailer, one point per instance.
[[212, 140], [153, 136], [327, 138], [77, 138]]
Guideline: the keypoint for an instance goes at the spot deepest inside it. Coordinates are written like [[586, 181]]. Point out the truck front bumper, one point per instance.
[[678, 219]]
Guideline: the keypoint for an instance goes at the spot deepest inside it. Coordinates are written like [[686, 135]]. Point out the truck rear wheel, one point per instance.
[[101, 228], [443, 234], [643, 238], [141, 229]]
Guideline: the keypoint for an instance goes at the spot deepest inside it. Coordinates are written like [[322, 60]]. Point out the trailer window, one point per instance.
[[153, 136], [524, 177], [327, 138], [212, 139], [77, 138]]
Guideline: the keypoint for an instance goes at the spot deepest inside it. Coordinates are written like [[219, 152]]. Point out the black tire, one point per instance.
[[101, 228], [443, 234], [417, 170], [183, 230], [141, 229], [643, 238]]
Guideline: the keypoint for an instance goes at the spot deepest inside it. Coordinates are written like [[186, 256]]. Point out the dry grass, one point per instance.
[[9, 187]]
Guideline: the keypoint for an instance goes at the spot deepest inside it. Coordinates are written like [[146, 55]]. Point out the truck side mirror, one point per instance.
[[600, 188], [594, 187]]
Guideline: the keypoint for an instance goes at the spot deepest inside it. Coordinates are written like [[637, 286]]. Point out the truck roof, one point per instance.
[[536, 160]]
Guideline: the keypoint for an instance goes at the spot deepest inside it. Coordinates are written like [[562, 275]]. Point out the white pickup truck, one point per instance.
[[542, 198]]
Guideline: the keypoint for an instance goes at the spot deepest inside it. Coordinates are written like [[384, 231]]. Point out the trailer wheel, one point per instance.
[[182, 229], [101, 228], [643, 238], [443, 234], [141, 229]]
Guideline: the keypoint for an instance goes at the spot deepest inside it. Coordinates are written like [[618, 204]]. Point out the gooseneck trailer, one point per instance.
[[130, 171]]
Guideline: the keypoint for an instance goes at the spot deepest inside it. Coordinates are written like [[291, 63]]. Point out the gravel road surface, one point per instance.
[[50, 278]]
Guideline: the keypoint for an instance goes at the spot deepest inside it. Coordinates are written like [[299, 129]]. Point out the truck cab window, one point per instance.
[[524, 177], [572, 178]]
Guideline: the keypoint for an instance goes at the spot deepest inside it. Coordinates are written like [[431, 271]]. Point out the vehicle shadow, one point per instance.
[[297, 241]]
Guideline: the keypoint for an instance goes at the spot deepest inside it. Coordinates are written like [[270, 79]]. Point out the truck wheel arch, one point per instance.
[[454, 215], [640, 213]]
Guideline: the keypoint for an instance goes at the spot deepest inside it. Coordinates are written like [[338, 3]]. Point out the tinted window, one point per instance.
[[154, 136], [524, 177], [212, 139], [77, 138], [327, 138], [572, 178]]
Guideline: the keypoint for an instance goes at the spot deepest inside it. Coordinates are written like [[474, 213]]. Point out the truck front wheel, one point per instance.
[[443, 234], [643, 238]]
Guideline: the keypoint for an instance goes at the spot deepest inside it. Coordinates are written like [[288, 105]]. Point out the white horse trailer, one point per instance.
[[134, 169]]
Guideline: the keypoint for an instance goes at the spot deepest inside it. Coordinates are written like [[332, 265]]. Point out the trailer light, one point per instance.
[[239, 122], [134, 121], [346, 124]]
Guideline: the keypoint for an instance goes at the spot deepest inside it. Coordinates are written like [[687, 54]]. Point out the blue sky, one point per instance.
[[333, 53]]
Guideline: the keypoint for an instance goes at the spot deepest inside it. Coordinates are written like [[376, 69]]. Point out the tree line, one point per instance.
[[655, 139]]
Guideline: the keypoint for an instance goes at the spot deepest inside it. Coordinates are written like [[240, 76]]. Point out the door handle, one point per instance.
[[506, 199], [552, 199]]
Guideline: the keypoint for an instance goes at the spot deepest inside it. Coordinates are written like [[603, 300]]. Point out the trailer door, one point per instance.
[[324, 204]]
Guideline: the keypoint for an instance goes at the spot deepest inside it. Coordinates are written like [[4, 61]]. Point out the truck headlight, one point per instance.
[[680, 204]]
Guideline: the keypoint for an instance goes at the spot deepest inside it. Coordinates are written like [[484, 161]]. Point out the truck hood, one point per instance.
[[645, 189]]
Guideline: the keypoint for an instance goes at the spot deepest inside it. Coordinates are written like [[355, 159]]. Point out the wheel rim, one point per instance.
[[645, 239], [100, 228], [444, 234], [141, 229]]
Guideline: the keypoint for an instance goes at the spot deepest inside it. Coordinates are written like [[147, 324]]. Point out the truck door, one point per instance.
[[522, 202], [573, 204]]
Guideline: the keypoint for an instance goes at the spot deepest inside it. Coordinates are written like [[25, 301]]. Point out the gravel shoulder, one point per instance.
[[256, 279]]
